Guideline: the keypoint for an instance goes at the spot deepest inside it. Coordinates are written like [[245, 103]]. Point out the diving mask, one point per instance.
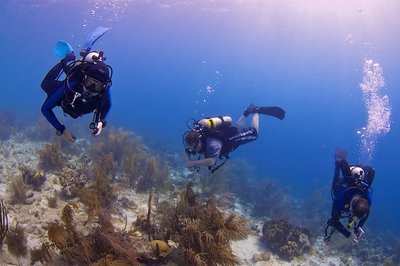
[[93, 85]]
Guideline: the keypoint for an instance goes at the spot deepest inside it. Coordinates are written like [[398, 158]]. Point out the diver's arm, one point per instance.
[[336, 175], [54, 72], [336, 222], [363, 220], [105, 107], [47, 109], [197, 163], [345, 168], [203, 162]]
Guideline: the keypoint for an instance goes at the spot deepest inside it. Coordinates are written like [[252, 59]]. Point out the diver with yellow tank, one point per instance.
[[216, 137]]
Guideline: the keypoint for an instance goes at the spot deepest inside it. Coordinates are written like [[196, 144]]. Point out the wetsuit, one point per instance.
[[72, 98], [343, 190], [231, 138]]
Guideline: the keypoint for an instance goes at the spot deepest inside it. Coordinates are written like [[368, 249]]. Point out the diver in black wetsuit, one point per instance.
[[217, 137], [86, 89], [351, 195]]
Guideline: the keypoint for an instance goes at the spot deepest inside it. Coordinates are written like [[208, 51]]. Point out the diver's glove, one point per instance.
[[68, 135], [104, 122], [195, 169], [340, 154], [70, 56], [95, 128]]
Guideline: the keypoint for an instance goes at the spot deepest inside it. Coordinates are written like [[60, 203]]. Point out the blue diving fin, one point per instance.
[[62, 48], [93, 37]]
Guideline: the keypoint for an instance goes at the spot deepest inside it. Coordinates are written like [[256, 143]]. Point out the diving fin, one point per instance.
[[272, 111], [62, 48], [93, 37]]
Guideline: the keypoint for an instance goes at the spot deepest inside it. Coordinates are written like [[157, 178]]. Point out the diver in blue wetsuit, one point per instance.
[[351, 195], [86, 89]]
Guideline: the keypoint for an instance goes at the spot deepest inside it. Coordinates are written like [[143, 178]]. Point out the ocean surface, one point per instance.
[[332, 65]]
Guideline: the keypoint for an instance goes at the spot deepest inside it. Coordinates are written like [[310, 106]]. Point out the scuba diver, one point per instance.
[[216, 137], [85, 89], [351, 196]]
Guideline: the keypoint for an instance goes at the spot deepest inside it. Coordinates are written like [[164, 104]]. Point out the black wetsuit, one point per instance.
[[217, 144]]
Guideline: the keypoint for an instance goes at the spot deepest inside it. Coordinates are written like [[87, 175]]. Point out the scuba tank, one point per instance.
[[215, 122]]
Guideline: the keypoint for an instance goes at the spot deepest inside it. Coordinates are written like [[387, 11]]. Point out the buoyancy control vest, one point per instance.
[[80, 99], [219, 127], [362, 183]]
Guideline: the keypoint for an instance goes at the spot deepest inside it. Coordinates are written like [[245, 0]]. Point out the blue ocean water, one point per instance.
[[174, 60]]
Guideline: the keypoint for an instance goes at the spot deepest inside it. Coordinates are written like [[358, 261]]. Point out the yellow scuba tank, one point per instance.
[[215, 122]]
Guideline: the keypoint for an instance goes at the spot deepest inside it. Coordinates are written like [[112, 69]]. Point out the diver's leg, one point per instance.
[[54, 72], [241, 121], [50, 82], [255, 121]]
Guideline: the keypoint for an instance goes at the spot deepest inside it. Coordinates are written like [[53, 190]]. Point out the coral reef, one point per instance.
[[275, 233], [51, 157], [134, 161], [287, 243], [123, 151], [202, 232], [19, 191], [52, 201], [396, 256], [265, 256], [226, 200], [16, 241], [117, 142], [71, 181], [98, 195], [8, 124], [104, 243], [106, 165], [155, 176], [42, 254], [3, 222], [32, 177]]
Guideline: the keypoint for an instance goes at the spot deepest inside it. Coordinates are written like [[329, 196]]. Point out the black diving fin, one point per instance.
[[272, 111]]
